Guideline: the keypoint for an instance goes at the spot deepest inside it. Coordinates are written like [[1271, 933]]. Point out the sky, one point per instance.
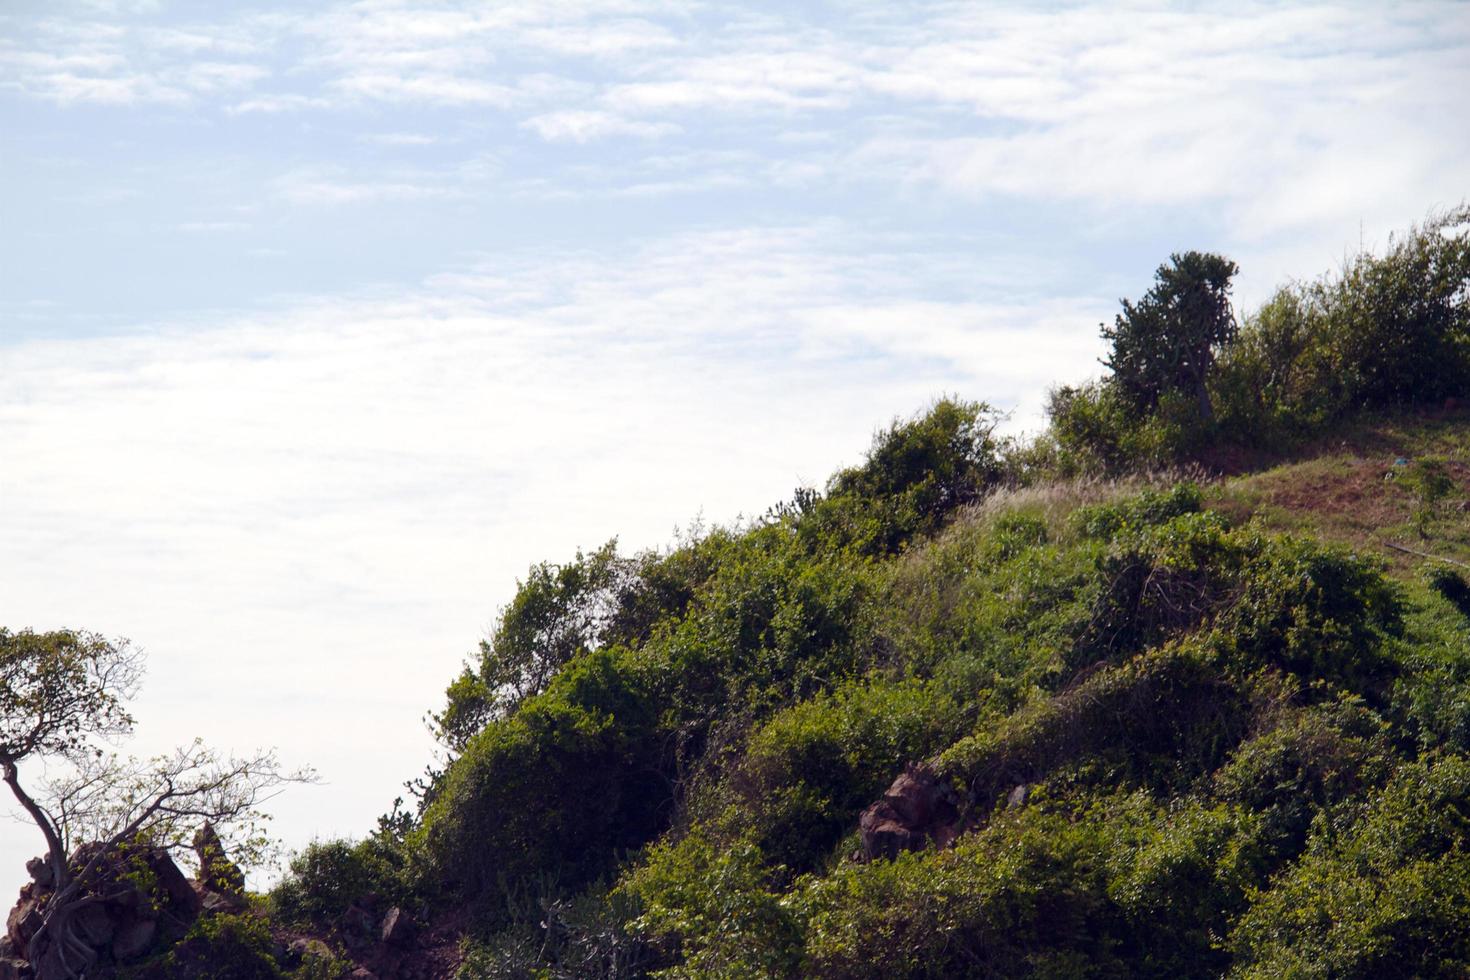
[[321, 322]]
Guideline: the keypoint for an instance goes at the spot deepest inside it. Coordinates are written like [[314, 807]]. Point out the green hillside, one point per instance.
[[1179, 689], [1171, 699]]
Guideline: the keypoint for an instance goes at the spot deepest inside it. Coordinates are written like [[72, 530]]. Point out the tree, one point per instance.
[[1167, 341], [63, 699], [557, 612]]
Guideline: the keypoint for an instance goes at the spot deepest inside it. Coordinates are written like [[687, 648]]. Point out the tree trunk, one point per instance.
[[56, 853], [1206, 410]]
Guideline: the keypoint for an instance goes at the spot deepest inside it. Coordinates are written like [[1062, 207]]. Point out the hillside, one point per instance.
[[1180, 689]]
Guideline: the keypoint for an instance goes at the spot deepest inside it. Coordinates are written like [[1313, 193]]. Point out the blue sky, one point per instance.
[[320, 322]]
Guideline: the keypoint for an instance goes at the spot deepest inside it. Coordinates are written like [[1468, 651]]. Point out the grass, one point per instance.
[[1357, 493]]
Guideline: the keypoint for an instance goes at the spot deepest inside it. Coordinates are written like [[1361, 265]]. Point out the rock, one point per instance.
[[41, 873], [133, 938], [216, 869], [299, 950], [358, 921], [12, 968], [24, 919], [216, 902], [94, 925], [181, 899], [918, 808], [362, 973], [1018, 797], [397, 928]]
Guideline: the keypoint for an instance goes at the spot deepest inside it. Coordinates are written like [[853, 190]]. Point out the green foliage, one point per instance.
[[1429, 481], [1118, 887], [1314, 758], [1384, 890], [560, 787], [216, 947], [1148, 509], [917, 474], [328, 876], [1167, 341], [807, 773], [1320, 612], [557, 611], [552, 935], [1452, 585], [1388, 331], [712, 909]]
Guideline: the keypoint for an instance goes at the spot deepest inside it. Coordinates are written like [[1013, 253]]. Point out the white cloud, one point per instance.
[[333, 186], [318, 511], [581, 126], [196, 227], [400, 139]]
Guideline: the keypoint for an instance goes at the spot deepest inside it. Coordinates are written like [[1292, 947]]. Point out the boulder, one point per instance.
[[179, 895], [24, 919], [94, 925], [358, 921], [397, 928], [918, 809]]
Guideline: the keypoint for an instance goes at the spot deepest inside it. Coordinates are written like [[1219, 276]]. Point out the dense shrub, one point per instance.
[[1384, 891], [216, 947], [917, 474], [561, 787], [328, 876], [1452, 585], [712, 909], [1114, 888]]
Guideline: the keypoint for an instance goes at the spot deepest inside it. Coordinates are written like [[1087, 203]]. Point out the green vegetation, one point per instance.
[[1184, 724]]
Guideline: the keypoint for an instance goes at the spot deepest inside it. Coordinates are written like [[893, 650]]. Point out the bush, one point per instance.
[[1148, 509], [328, 876], [1386, 894], [1320, 612], [809, 771], [562, 787], [712, 910], [1452, 585], [216, 947], [1118, 887], [918, 473]]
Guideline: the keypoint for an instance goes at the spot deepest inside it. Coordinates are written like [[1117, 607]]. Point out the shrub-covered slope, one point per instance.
[[1185, 724]]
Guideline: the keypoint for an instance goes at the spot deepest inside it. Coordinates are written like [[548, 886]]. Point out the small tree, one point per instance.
[[63, 700], [1167, 341]]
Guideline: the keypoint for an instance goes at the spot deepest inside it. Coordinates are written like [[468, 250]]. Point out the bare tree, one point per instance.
[[63, 702]]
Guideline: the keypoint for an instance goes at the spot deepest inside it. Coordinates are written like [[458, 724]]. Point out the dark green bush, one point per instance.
[[328, 876], [809, 771], [217, 947], [1110, 889], [1319, 611], [1452, 585], [917, 474], [1381, 892], [564, 785]]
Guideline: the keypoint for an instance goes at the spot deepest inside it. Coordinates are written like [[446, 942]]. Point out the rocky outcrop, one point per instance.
[[920, 809], [136, 902], [217, 873]]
